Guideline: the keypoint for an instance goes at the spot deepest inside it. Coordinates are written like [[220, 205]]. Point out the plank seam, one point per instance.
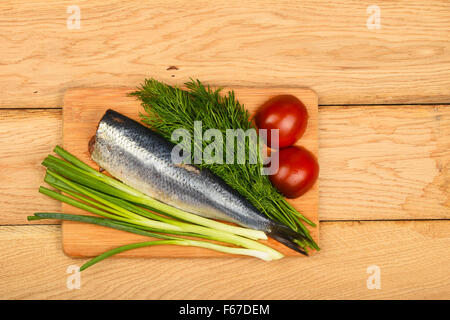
[[320, 105], [321, 221], [385, 105]]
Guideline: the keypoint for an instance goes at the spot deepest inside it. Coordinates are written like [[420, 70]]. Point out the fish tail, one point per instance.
[[286, 236]]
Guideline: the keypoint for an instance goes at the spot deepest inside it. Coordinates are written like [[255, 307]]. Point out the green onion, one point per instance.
[[119, 225], [127, 216], [169, 239], [208, 245], [108, 185], [175, 226]]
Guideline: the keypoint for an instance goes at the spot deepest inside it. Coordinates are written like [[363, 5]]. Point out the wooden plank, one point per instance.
[[26, 137], [385, 162], [322, 45], [377, 162], [413, 258], [83, 109]]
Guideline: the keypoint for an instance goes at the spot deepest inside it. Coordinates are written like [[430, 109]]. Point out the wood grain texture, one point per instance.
[[413, 258], [83, 109], [322, 45], [377, 162], [385, 163]]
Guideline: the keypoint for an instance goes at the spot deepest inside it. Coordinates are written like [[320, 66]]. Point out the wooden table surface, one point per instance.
[[384, 135]]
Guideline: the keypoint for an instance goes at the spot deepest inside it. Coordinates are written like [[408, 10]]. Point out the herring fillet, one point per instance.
[[141, 159]]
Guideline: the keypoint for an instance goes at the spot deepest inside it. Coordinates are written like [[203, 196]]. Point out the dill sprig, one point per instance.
[[168, 108]]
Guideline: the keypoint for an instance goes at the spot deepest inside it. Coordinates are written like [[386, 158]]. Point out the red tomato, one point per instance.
[[298, 171], [286, 113]]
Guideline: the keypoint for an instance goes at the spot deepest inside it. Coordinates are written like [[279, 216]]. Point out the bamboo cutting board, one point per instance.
[[83, 108]]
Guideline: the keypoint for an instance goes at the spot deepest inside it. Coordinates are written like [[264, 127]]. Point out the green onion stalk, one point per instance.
[[121, 207]]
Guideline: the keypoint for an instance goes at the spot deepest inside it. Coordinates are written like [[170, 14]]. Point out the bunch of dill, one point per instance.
[[168, 108]]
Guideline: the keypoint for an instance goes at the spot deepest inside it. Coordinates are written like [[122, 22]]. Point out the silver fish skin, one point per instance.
[[141, 159]]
